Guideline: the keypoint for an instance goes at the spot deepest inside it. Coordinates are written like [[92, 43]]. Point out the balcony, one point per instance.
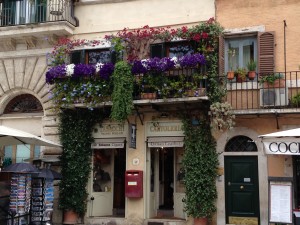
[[37, 18], [256, 97]]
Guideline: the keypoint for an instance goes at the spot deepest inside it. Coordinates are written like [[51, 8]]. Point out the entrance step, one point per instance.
[[123, 221]]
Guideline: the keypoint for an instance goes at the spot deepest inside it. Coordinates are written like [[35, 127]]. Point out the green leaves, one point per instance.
[[75, 132], [122, 99], [200, 163]]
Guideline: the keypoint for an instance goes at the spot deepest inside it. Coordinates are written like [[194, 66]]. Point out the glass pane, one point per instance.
[[102, 170], [180, 50], [23, 153], [233, 55], [37, 151], [99, 57], [248, 52], [179, 176]]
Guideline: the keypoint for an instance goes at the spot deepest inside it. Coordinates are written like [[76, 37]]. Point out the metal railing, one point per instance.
[[23, 12], [256, 94]]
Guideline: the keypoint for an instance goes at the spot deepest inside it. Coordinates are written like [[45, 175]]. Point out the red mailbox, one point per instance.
[[134, 184]]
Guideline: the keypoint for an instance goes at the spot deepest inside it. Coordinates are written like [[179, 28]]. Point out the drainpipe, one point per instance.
[[284, 41]]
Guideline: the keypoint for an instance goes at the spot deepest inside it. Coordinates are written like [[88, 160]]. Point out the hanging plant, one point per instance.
[[222, 117], [122, 96]]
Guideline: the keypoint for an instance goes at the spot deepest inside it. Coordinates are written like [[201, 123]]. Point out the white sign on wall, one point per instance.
[[162, 128]]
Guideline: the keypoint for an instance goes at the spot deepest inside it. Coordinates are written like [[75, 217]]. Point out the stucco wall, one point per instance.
[[95, 19]]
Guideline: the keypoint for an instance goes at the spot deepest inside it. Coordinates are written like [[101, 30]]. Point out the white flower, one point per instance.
[[70, 70], [176, 62], [98, 67]]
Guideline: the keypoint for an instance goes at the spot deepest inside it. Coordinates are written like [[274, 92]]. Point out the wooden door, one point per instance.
[[241, 190]]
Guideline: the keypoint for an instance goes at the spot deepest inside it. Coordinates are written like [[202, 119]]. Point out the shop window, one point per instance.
[[24, 104], [240, 144], [23, 153]]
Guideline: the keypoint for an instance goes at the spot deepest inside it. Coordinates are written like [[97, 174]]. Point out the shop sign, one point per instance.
[[108, 145], [106, 130], [281, 147], [165, 142], [158, 128]]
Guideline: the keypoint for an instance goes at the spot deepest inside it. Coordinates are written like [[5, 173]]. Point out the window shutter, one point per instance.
[[266, 45], [157, 50], [78, 57], [221, 56]]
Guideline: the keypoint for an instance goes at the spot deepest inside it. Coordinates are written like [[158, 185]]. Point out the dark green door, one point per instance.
[[241, 190]]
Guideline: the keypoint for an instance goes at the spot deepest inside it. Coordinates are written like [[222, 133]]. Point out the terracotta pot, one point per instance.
[[200, 221], [240, 79], [148, 95], [251, 75], [279, 83], [70, 217], [230, 75]]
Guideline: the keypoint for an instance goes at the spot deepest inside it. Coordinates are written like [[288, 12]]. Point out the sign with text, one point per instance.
[[280, 207], [283, 147], [132, 136], [108, 130], [162, 128]]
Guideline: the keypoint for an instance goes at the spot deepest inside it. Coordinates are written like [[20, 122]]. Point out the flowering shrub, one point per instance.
[[222, 117]]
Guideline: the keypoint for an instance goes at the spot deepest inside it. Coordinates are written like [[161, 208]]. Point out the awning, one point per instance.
[[108, 143], [282, 142], [165, 142]]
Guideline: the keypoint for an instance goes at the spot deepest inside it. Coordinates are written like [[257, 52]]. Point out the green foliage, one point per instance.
[[75, 132], [270, 78], [88, 92], [241, 72], [123, 83], [295, 101], [251, 65], [200, 163]]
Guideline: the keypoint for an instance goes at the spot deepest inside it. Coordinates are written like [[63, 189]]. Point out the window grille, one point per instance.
[[24, 104], [241, 144]]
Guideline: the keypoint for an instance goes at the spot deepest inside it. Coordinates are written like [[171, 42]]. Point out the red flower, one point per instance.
[[204, 35], [184, 29], [196, 37]]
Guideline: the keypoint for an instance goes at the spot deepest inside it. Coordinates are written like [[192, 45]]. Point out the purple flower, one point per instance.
[[83, 70], [55, 72], [192, 60], [106, 71], [138, 68], [167, 64]]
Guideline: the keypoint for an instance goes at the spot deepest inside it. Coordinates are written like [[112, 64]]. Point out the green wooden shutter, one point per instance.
[[157, 50], [266, 45]]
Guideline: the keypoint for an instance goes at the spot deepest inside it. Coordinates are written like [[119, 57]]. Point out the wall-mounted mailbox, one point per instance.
[[134, 184]]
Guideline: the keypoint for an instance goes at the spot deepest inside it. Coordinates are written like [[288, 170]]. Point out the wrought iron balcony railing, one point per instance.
[[257, 94], [13, 12]]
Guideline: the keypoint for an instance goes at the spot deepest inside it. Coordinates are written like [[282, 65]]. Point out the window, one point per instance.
[[238, 52], [91, 56], [240, 144], [24, 104], [171, 49], [23, 153]]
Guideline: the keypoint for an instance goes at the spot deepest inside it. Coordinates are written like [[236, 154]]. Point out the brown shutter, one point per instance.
[[266, 45], [221, 56]]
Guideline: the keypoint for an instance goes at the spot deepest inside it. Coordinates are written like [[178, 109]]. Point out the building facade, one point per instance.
[[149, 145]]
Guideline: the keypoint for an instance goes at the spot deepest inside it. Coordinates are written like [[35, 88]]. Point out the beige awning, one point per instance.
[[109, 143], [165, 142]]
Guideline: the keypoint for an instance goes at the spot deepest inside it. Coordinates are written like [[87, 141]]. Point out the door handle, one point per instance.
[[241, 187], [229, 183]]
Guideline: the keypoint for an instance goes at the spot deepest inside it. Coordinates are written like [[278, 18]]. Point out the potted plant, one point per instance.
[[272, 80], [251, 65], [231, 54], [200, 162], [241, 74]]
